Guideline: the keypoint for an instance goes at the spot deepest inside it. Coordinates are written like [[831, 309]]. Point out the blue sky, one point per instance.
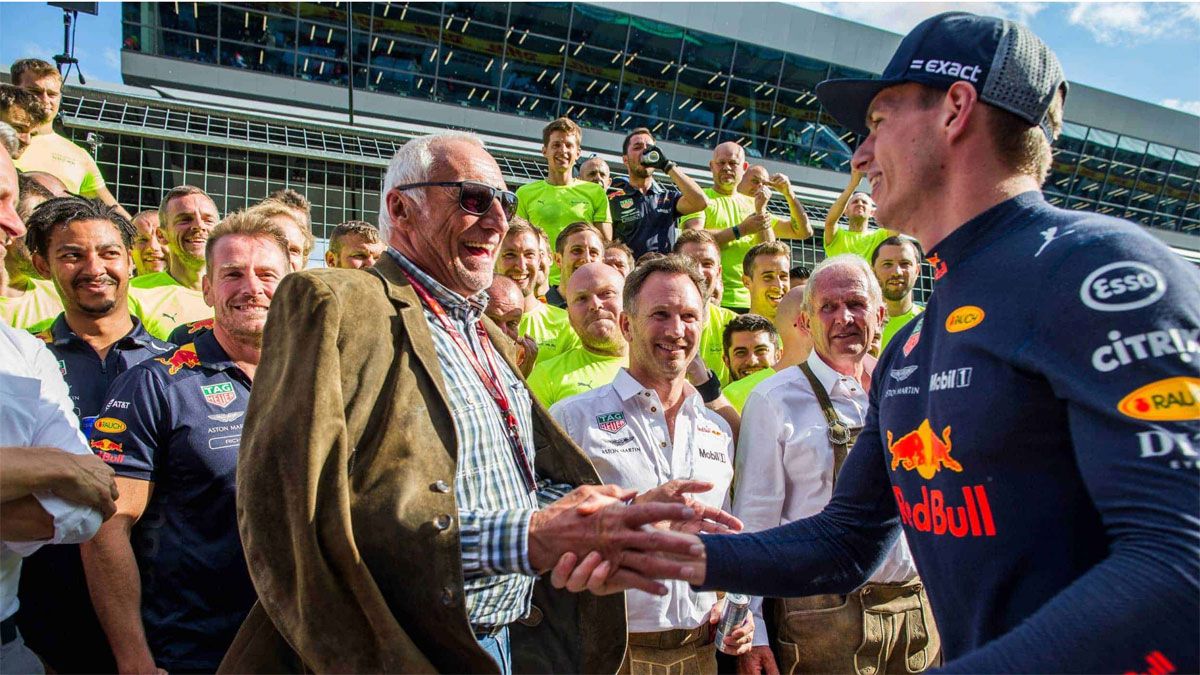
[[1148, 51]]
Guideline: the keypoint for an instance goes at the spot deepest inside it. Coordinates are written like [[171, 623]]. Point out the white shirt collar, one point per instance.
[[628, 388], [828, 377]]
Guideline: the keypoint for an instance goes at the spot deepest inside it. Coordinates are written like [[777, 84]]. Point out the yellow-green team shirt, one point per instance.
[[40, 302], [63, 159], [712, 341], [573, 372], [725, 211], [861, 244], [554, 207], [550, 328], [165, 303], [738, 391], [895, 323]]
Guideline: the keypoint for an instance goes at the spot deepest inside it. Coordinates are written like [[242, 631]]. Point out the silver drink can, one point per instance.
[[737, 606]]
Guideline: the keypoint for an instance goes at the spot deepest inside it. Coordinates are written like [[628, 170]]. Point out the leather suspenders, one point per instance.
[[841, 436]]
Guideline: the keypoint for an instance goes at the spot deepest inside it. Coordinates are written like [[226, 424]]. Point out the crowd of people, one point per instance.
[[557, 429]]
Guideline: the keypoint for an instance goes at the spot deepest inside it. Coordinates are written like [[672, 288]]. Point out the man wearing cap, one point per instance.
[[644, 211], [1039, 463]]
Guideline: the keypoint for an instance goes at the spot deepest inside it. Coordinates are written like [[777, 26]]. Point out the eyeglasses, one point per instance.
[[474, 197]]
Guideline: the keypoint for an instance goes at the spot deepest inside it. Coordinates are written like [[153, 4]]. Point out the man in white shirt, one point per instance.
[[791, 447], [53, 490], [649, 430]]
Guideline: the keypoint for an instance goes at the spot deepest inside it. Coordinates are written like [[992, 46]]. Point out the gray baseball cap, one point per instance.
[[1010, 67]]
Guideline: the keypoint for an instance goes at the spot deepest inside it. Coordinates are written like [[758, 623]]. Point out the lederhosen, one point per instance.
[[878, 628]]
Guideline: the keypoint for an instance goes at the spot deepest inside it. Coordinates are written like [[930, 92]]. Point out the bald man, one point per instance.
[[49, 181], [506, 305], [757, 182], [596, 170]]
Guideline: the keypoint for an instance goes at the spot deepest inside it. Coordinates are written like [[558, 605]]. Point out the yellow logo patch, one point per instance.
[[109, 425], [1171, 400], [964, 318]]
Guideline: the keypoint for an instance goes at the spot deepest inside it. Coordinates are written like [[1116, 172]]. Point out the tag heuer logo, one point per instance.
[[611, 422], [626, 203], [220, 394]]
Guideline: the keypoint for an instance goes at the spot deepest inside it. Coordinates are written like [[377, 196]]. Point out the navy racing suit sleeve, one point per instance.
[[1118, 343]]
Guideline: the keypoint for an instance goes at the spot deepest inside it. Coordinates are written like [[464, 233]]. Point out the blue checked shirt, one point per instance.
[[493, 505]]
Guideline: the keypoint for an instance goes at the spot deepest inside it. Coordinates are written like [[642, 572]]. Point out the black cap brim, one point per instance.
[[847, 100]]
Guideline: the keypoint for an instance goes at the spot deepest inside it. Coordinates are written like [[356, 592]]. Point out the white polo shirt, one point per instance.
[[785, 460], [622, 429]]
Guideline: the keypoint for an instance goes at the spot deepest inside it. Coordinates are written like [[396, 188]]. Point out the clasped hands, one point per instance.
[[605, 539]]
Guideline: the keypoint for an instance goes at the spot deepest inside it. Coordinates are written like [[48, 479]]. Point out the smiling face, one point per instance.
[[456, 248], [244, 273], [89, 265], [842, 319], [580, 248], [521, 260], [896, 269], [295, 239], [594, 307], [750, 352], [663, 326], [562, 151], [186, 223], [149, 253], [767, 283], [708, 258]]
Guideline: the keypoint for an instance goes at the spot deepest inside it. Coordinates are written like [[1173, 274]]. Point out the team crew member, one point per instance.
[[148, 251], [561, 199], [766, 276], [644, 212], [700, 247], [788, 463], [1025, 432], [798, 276], [49, 151], [172, 592], [26, 300], [897, 265], [796, 346], [521, 260], [577, 245], [757, 182], [737, 222], [858, 208], [751, 347], [354, 244], [505, 307], [649, 430], [82, 246], [619, 257], [22, 112], [594, 307], [294, 224], [174, 296], [595, 170]]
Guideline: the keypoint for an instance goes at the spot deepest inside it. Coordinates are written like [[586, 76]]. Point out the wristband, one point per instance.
[[737, 232], [711, 389]]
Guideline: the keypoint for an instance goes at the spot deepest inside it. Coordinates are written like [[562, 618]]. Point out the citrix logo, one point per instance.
[[951, 68]]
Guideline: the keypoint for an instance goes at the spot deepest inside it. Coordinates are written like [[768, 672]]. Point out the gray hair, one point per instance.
[[8, 139], [843, 261], [413, 163]]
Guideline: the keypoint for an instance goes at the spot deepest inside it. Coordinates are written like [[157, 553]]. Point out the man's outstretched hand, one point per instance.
[[708, 519]]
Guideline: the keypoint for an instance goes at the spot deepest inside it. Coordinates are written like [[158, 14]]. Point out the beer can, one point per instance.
[[737, 606], [651, 156]]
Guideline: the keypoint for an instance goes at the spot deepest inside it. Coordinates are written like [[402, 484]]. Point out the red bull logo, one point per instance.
[[1156, 664], [923, 450], [105, 445], [202, 324], [184, 357], [932, 515]]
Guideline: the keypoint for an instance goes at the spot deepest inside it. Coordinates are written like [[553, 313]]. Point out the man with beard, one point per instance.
[[855, 238], [645, 212], [521, 259], [26, 300], [149, 253], [505, 308], [594, 307], [897, 265], [766, 276], [82, 246], [172, 592], [758, 183], [354, 244], [561, 199], [796, 345], [174, 296], [595, 170], [751, 344], [577, 245], [736, 222]]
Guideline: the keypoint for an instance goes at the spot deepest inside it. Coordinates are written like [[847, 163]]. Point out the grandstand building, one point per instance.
[[246, 98]]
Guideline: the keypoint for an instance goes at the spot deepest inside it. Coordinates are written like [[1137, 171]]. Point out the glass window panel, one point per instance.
[[645, 97], [1100, 143], [528, 105], [757, 63], [699, 99], [467, 94], [593, 77], [599, 27], [250, 57], [190, 47], [1186, 163], [708, 52], [689, 134], [391, 20], [328, 13], [193, 17], [1062, 168], [131, 11], [1158, 157], [837, 72], [533, 64], [802, 74], [1179, 187], [474, 56], [655, 40], [1129, 150], [748, 109], [1072, 137], [317, 69], [786, 152], [257, 28], [591, 117], [828, 150], [495, 13], [545, 18], [395, 63], [131, 37]]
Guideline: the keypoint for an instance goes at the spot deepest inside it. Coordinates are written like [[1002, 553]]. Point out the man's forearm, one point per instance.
[[116, 591], [693, 200], [836, 210], [24, 519], [25, 471], [606, 229], [800, 227]]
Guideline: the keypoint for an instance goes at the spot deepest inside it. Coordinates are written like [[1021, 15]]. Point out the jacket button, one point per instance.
[[440, 486], [448, 597], [443, 521]]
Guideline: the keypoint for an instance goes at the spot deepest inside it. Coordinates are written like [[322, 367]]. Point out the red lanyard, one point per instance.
[[490, 376]]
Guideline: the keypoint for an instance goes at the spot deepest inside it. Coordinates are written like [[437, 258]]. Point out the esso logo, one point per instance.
[[1122, 286]]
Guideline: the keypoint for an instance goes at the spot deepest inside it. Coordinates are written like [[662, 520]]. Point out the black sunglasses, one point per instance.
[[474, 197]]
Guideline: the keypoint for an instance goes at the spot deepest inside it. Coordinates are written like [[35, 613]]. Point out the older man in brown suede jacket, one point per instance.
[[398, 491]]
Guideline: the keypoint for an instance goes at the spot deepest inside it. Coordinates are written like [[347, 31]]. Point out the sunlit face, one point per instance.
[[633, 156], [562, 151], [505, 309], [728, 165], [149, 253], [186, 223], [520, 260], [755, 181], [579, 249], [48, 89], [595, 170], [619, 260], [89, 265], [842, 320], [594, 306], [295, 240], [356, 253], [896, 270], [767, 284], [11, 225], [22, 123], [663, 326], [243, 275], [708, 259], [750, 352], [860, 205]]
